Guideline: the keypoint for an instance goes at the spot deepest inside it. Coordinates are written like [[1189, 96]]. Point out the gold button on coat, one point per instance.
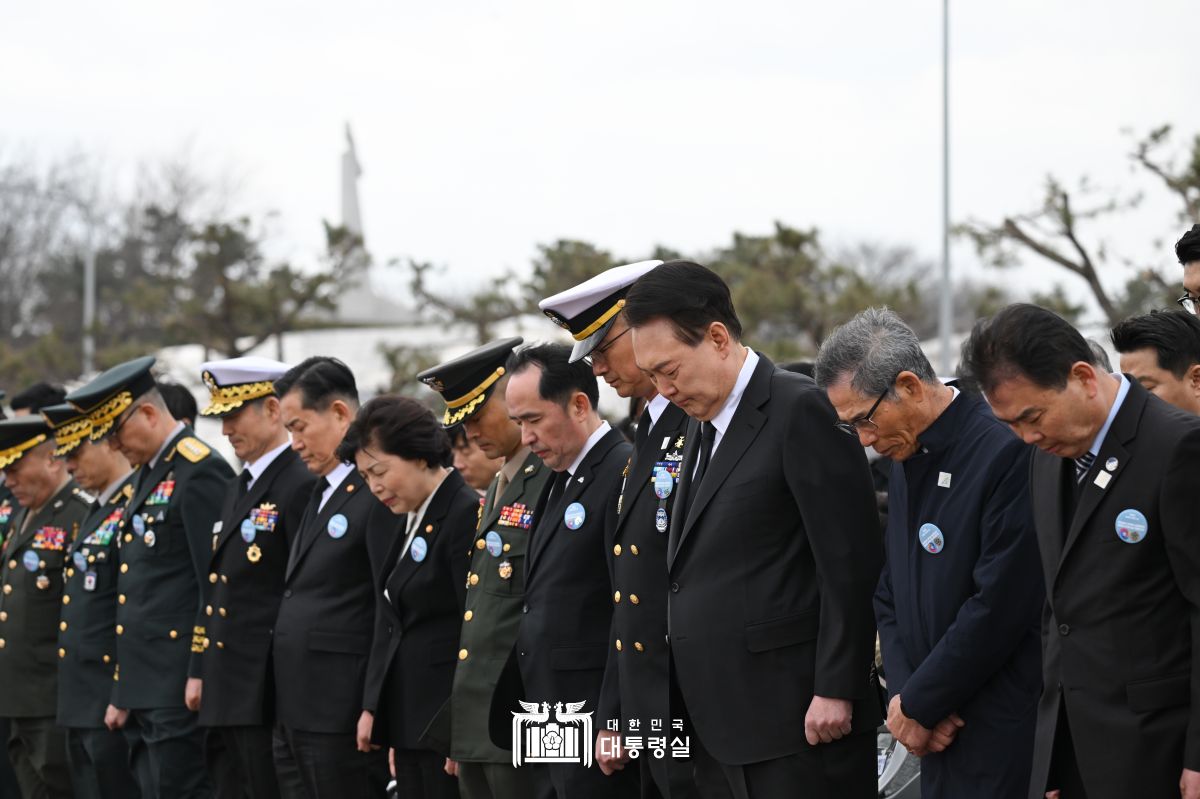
[[470, 614], [617, 596], [462, 654], [120, 629], [617, 549], [618, 644]]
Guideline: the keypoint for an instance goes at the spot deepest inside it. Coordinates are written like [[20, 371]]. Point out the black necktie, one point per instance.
[[708, 437], [314, 504], [645, 422], [244, 484], [556, 488]]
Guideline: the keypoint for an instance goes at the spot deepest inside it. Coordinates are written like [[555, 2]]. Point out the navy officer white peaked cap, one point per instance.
[[236, 381], [588, 310]]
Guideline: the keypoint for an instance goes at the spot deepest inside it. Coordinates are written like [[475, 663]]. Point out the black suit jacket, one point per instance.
[[245, 582], [1122, 623], [32, 575], [636, 679], [772, 572], [323, 634], [89, 613], [164, 552], [421, 615], [562, 644]]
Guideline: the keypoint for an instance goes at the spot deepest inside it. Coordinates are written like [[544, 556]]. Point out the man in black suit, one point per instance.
[[1113, 484], [634, 702], [164, 552], [324, 631], [562, 645], [959, 601], [250, 546], [31, 567], [97, 756], [773, 555]]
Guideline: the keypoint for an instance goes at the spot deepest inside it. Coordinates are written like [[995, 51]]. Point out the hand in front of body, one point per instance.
[[450, 768], [917, 739], [362, 736], [191, 693], [115, 717], [610, 756], [827, 720]]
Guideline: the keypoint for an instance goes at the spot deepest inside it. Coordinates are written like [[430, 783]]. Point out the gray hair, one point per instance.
[[873, 348]]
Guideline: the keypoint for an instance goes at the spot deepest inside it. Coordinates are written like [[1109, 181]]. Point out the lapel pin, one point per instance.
[[943, 479], [1102, 479], [1111, 464]]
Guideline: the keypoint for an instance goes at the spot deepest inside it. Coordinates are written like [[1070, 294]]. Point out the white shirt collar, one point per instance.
[[591, 442], [656, 406], [334, 479], [179, 428], [1112, 414], [257, 468], [725, 415]]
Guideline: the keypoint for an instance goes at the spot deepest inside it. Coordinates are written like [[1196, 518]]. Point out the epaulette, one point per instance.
[[193, 449]]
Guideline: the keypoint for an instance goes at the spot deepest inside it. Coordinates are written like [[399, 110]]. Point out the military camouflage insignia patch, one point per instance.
[[52, 538], [516, 515]]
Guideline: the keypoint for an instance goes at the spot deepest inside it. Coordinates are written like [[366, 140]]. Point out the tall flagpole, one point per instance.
[[945, 315]]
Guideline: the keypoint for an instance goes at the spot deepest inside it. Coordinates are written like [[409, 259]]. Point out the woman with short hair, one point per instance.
[[404, 455]]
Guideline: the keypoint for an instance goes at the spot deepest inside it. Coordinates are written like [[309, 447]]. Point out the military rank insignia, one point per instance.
[[103, 534], [264, 517], [51, 538], [6, 510], [516, 515], [162, 493]]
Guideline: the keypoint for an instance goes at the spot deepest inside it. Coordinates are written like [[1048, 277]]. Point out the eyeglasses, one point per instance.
[[1189, 303], [116, 430], [602, 351], [864, 422]]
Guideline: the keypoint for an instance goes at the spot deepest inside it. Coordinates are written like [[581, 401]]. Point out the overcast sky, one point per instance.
[[485, 128]]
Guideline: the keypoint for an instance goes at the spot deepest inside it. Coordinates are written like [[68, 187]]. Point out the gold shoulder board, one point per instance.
[[193, 449]]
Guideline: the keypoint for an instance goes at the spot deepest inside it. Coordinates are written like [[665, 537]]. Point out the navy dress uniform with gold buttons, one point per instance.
[[494, 581], [636, 678], [250, 545], [31, 594], [164, 548], [97, 756]]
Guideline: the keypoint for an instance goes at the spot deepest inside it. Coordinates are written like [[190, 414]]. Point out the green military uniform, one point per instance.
[[30, 598], [164, 546], [495, 579], [97, 757]]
